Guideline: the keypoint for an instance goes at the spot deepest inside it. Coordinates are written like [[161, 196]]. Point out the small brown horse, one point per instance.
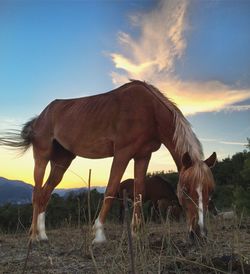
[[156, 188], [127, 123]]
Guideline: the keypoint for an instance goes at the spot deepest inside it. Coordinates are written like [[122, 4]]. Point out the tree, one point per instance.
[[245, 173], [248, 144]]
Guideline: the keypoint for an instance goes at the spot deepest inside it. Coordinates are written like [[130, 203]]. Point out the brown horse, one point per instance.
[[127, 123], [156, 188]]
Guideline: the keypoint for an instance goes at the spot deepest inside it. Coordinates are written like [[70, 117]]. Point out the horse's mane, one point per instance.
[[184, 137]]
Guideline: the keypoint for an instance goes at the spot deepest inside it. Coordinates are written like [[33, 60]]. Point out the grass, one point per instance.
[[160, 248]]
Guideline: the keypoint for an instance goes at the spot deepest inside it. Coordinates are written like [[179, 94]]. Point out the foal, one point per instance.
[[156, 188]]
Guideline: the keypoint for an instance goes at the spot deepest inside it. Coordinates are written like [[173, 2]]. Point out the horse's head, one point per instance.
[[195, 187]]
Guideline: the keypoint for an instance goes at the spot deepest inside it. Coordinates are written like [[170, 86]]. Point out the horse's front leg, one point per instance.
[[119, 165], [140, 169]]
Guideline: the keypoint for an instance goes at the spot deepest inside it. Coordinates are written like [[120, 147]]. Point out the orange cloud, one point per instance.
[[152, 57], [194, 97]]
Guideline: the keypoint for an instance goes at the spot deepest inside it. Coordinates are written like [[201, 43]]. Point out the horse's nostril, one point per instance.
[[197, 237]]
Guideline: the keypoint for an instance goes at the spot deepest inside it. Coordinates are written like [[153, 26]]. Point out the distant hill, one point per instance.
[[14, 192], [18, 192], [64, 192]]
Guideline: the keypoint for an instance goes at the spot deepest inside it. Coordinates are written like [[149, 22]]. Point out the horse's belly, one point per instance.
[[95, 150]]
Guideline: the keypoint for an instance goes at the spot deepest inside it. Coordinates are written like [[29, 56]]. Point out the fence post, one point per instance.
[[130, 245], [89, 208]]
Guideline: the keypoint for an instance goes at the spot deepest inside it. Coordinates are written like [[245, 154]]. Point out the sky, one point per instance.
[[196, 52]]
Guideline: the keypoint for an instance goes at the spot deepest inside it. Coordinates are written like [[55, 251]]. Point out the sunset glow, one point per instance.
[[195, 52]]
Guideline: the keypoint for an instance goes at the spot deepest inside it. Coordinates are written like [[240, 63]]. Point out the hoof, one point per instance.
[[98, 232], [35, 238], [43, 240], [100, 237], [134, 234], [42, 237], [33, 235], [99, 241]]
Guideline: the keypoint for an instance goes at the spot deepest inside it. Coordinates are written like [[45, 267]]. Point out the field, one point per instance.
[[161, 248]]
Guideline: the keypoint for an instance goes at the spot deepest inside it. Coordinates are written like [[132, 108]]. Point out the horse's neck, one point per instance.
[[180, 140], [176, 156], [166, 131]]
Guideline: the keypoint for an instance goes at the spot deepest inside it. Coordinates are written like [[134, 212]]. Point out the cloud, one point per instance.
[[159, 44], [194, 97], [234, 143], [152, 55], [238, 108]]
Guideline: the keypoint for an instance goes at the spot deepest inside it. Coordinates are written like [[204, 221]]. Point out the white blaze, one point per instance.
[[41, 227], [99, 232], [200, 209]]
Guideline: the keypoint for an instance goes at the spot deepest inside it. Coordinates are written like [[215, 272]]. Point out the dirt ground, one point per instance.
[[161, 248]]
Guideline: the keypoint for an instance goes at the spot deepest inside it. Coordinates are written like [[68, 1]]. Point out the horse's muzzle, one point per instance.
[[198, 238]]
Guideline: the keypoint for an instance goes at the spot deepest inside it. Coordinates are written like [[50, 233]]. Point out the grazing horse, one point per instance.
[[156, 188], [127, 123]]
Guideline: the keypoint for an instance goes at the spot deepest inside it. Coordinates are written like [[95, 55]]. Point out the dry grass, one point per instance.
[[161, 248]]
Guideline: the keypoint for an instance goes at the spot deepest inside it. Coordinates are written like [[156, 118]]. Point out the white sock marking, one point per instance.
[[200, 209], [41, 227], [99, 232]]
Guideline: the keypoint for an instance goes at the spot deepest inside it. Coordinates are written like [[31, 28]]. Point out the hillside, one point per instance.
[[19, 192], [16, 192]]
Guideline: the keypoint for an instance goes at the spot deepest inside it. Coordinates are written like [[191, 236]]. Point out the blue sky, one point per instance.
[[220, 40], [196, 51]]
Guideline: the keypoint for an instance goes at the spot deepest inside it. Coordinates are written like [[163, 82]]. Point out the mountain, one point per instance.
[[15, 192], [64, 192], [18, 192]]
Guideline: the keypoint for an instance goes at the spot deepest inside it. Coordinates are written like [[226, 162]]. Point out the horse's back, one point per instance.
[[130, 103], [94, 126]]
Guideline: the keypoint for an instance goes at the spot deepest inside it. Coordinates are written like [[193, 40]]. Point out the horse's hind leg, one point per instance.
[[61, 160], [39, 170]]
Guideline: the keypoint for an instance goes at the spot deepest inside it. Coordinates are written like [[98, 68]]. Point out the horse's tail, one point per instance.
[[19, 139]]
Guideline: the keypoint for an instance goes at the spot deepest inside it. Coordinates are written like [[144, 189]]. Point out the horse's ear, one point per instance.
[[186, 160], [211, 161]]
